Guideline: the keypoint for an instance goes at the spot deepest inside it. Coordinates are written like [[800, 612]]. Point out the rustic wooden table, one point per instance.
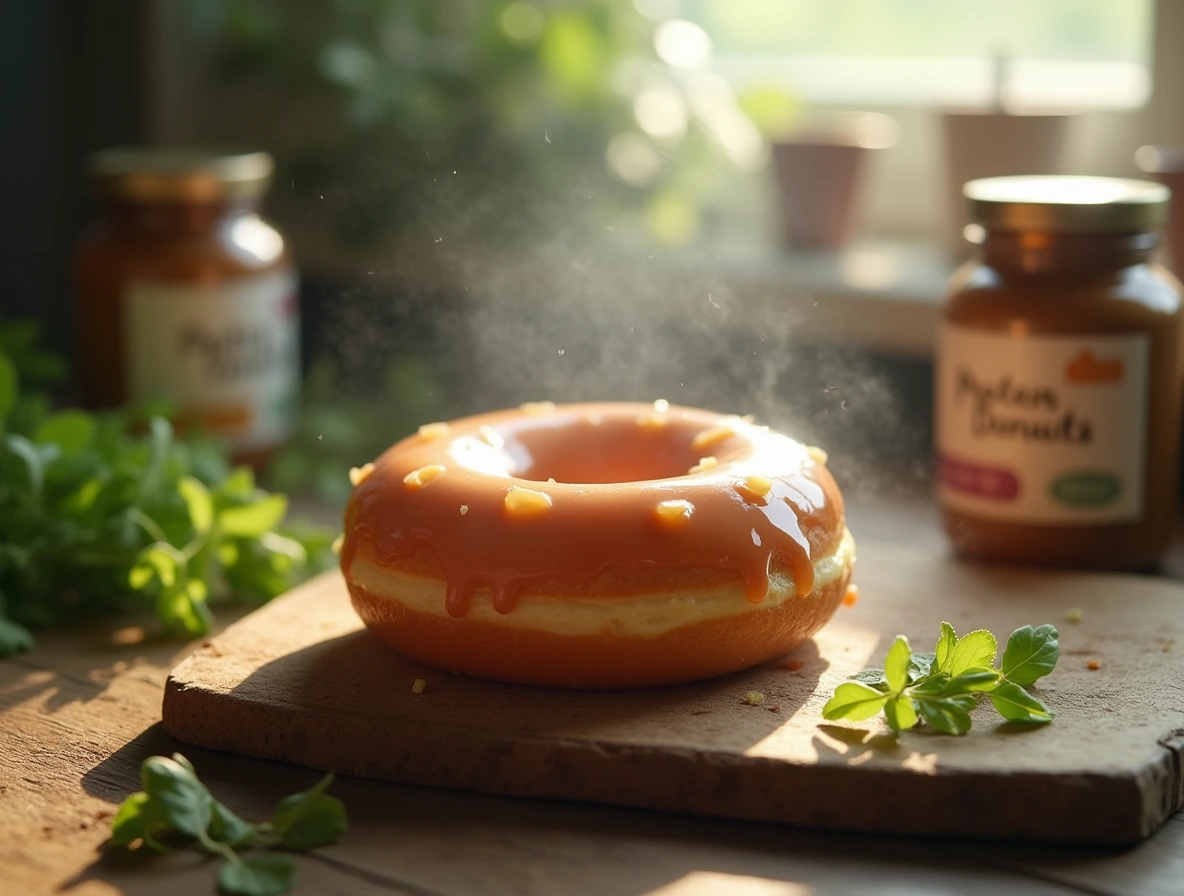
[[79, 714]]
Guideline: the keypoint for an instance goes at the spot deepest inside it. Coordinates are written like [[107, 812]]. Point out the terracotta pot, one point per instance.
[[997, 144], [1166, 165], [818, 169]]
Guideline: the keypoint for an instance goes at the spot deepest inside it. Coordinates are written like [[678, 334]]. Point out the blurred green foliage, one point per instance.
[[465, 119], [107, 512]]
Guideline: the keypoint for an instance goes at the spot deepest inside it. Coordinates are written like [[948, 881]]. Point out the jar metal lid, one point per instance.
[[180, 174], [1067, 204]]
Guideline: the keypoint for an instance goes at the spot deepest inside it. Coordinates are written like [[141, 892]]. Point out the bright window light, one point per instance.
[[1076, 53]]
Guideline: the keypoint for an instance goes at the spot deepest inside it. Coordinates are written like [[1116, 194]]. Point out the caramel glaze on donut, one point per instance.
[[521, 500]]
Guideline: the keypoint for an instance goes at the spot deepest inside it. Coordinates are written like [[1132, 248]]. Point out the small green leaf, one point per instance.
[[160, 437], [920, 665], [14, 638], [946, 716], [1017, 705], [226, 827], [197, 499], [896, 664], [873, 677], [8, 386], [286, 547], [140, 575], [310, 819], [901, 713], [130, 822], [252, 520], [240, 483], [176, 794], [183, 612], [970, 681], [944, 651], [855, 701], [83, 499], [266, 874], [931, 686], [27, 452], [1030, 654], [161, 561], [974, 651], [69, 430]]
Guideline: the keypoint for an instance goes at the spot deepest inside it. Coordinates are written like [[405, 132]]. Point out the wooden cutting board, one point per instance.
[[301, 681]]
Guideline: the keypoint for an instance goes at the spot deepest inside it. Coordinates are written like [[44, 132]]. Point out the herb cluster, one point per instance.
[[175, 807], [942, 687], [106, 513]]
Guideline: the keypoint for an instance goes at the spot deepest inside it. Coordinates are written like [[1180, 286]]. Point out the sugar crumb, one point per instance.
[[754, 698]]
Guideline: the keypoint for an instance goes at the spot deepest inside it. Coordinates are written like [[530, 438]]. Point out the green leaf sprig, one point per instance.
[[106, 513], [176, 808], [941, 688]]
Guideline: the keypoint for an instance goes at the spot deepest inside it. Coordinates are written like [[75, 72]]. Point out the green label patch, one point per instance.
[[1086, 489]]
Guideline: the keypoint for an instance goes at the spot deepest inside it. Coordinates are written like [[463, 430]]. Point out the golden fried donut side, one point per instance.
[[594, 545]]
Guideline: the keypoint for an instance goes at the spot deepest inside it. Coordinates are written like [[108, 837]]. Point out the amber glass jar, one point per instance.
[[185, 295], [1058, 377]]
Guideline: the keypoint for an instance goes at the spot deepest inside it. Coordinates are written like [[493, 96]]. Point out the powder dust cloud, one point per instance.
[[574, 319]]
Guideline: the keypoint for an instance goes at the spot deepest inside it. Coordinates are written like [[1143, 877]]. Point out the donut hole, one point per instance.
[[610, 451]]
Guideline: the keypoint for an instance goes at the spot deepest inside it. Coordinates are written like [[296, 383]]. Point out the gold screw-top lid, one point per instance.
[[180, 174], [1067, 204]]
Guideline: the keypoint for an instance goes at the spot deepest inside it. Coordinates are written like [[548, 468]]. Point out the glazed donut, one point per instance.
[[596, 545]]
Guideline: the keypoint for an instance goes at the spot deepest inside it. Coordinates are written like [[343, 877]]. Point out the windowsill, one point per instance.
[[879, 295], [878, 81]]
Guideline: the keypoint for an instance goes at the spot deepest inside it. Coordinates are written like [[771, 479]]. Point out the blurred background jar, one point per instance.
[[186, 299], [1058, 377]]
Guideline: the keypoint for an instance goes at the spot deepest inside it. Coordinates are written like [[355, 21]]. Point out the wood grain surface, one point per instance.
[[79, 714], [300, 681]]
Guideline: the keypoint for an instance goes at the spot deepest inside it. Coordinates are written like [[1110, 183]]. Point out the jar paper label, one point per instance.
[[1042, 429], [225, 355]]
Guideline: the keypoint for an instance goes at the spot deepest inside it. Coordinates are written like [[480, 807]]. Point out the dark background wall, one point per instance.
[[74, 78]]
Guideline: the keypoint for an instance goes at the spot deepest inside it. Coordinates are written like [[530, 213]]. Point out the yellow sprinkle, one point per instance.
[[433, 430], [421, 477], [757, 485], [490, 436], [357, 475], [418, 686], [754, 698], [674, 512], [709, 437], [817, 455], [661, 406], [651, 421], [464, 508], [705, 463], [527, 502], [337, 543], [1075, 615], [536, 408], [551, 480]]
